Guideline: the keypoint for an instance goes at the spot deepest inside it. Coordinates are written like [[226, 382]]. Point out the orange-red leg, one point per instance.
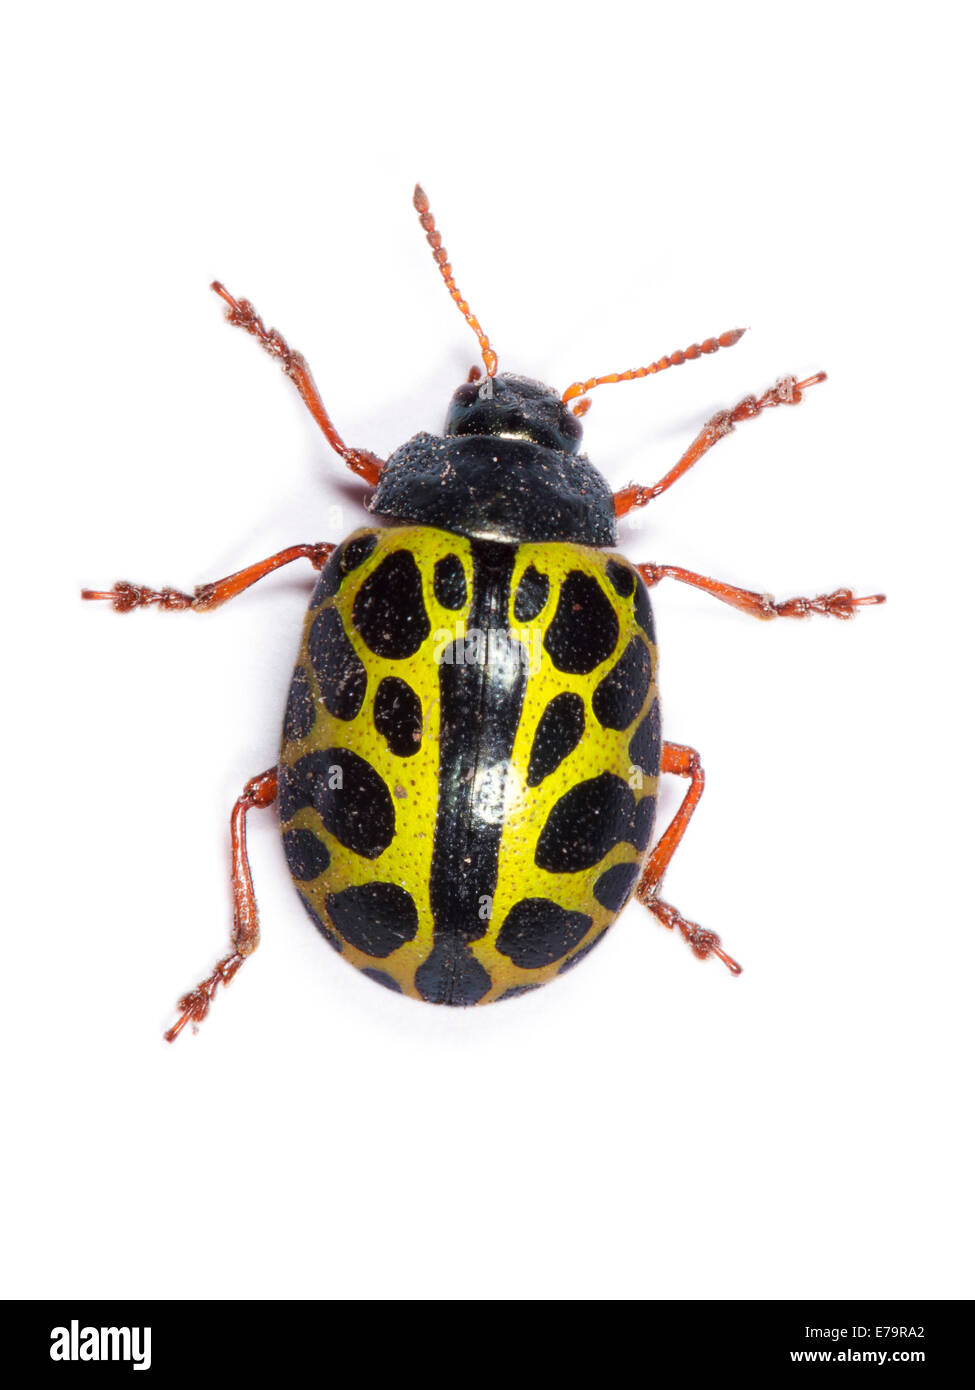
[[242, 313], [787, 391], [839, 604], [684, 762], [124, 596], [259, 792]]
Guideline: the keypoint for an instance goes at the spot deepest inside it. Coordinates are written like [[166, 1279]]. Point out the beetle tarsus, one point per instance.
[[839, 604], [124, 596], [195, 1006], [703, 943]]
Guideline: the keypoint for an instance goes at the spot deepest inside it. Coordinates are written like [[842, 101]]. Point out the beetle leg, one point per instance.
[[242, 313], [786, 391], [839, 604], [124, 596], [685, 762], [259, 791]]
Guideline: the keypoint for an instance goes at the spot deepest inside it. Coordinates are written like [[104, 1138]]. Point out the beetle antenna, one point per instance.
[[674, 360], [422, 204]]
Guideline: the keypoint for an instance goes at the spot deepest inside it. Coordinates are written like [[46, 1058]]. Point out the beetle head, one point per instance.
[[513, 407]]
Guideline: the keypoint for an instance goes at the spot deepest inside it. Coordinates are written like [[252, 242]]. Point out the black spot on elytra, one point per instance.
[[531, 595], [537, 932], [449, 583], [621, 577], [580, 954], [559, 730], [389, 612], [584, 630], [323, 927], [342, 561], [515, 990], [643, 822], [348, 794], [619, 696], [644, 749], [374, 917], [588, 821], [642, 610], [451, 975], [381, 978], [299, 713], [356, 551], [340, 674], [328, 582], [398, 715], [306, 854], [612, 888]]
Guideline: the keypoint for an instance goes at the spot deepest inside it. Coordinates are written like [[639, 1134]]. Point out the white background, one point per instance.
[[612, 184]]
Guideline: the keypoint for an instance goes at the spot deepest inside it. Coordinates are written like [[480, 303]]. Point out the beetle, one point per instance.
[[472, 743]]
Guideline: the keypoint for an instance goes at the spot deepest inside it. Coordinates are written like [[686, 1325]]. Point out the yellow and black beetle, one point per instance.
[[471, 752]]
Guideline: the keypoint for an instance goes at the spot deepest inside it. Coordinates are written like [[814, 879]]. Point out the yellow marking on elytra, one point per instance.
[[407, 860], [599, 750]]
